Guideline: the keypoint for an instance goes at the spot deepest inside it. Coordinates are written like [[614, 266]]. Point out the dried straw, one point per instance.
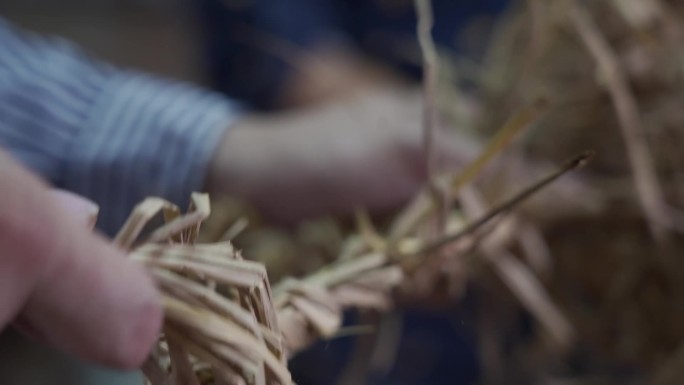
[[219, 308], [614, 71], [223, 323]]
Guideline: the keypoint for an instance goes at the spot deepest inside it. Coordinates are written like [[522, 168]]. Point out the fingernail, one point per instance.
[[84, 210]]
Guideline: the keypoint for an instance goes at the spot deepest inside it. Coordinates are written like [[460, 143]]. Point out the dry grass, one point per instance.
[[609, 85], [613, 70], [219, 308], [224, 324]]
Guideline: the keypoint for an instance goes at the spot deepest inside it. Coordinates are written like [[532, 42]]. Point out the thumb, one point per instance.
[[70, 287], [81, 209]]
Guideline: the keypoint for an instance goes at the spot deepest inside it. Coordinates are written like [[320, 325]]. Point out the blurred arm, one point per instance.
[[113, 136], [252, 48]]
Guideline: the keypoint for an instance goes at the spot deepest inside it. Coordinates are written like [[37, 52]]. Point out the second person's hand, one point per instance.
[[360, 151]]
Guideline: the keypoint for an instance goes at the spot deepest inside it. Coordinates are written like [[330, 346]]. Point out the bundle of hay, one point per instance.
[[614, 71], [224, 324]]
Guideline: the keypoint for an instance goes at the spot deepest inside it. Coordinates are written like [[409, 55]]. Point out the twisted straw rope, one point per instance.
[[223, 325]]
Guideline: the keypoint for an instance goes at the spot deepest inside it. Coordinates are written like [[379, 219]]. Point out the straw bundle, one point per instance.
[[218, 306], [614, 72], [224, 325]]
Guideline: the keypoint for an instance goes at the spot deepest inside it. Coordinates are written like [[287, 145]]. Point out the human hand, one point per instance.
[[362, 151], [64, 285], [330, 70]]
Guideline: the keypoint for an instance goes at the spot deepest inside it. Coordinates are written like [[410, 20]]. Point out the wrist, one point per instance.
[[247, 159]]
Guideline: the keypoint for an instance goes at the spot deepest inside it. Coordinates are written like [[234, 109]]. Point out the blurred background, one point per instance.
[[601, 253], [157, 36]]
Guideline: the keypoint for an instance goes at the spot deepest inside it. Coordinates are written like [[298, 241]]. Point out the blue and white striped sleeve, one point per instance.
[[113, 136]]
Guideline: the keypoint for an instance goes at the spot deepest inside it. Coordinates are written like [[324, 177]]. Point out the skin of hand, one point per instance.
[[364, 150], [63, 284], [331, 70]]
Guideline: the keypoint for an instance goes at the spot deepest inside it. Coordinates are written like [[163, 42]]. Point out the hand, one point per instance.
[[363, 151], [63, 284], [330, 70]]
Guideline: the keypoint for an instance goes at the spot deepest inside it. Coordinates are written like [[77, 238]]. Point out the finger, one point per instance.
[[72, 288], [97, 306], [81, 209]]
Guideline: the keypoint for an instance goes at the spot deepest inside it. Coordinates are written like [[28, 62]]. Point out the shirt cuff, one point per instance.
[[145, 137], [111, 135]]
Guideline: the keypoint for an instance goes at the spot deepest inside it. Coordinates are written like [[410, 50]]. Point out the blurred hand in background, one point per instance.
[[361, 150]]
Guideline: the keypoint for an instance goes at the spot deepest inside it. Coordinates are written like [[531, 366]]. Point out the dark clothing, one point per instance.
[[239, 35]]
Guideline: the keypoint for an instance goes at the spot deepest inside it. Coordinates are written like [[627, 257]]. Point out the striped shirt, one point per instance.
[[111, 135]]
